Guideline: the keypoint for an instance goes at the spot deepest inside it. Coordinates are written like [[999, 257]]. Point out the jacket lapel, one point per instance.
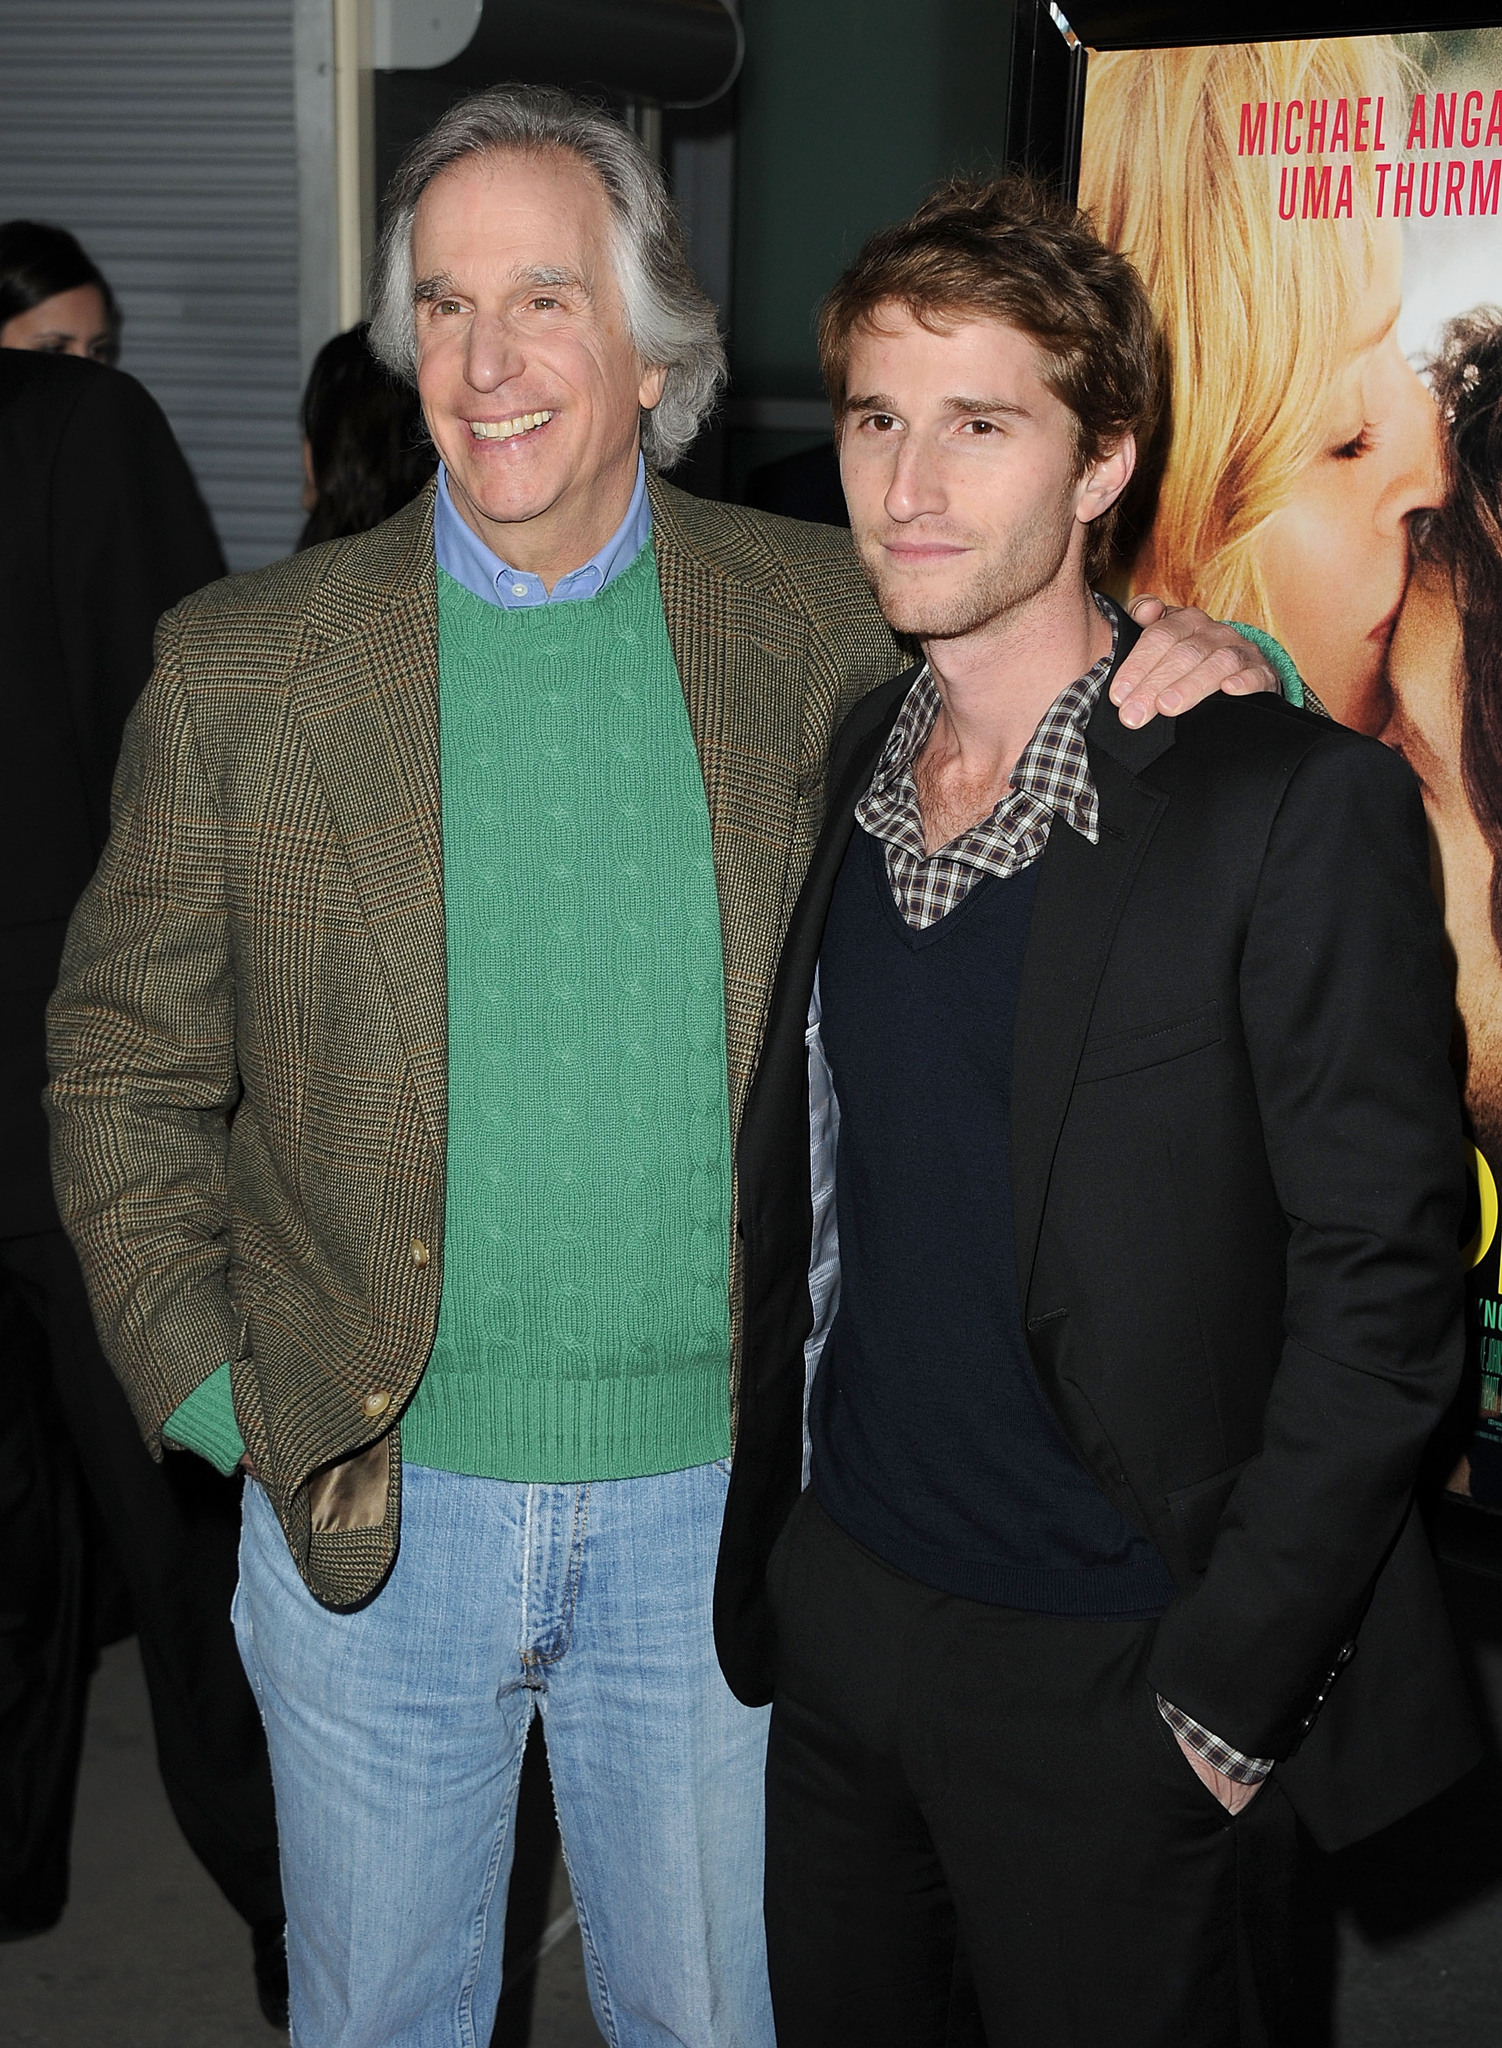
[[780, 1090], [1082, 891], [849, 777], [742, 659], [367, 701]]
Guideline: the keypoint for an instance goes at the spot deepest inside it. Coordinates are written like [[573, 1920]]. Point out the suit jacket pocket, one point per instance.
[[352, 1494], [1125, 1052], [1197, 1510]]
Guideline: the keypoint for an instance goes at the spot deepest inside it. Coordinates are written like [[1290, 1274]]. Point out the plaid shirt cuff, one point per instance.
[[1242, 1770]]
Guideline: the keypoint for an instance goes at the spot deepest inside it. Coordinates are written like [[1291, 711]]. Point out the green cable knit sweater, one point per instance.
[[584, 1328]]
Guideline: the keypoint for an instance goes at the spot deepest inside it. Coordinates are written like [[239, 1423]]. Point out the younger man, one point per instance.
[[1132, 1275]]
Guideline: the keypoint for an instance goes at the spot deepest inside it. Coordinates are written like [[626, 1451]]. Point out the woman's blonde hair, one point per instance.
[[1255, 310]]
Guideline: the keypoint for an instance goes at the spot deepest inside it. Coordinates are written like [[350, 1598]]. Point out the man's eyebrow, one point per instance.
[[987, 405], [534, 277], [878, 401], [546, 275]]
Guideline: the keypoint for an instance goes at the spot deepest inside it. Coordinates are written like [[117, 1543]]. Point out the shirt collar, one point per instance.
[[464, 556], [1052, 769]]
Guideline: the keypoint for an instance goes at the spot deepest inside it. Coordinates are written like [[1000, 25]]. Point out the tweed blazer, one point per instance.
[[248, 1042]]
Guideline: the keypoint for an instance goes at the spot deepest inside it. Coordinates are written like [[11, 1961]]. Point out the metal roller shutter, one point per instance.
[[163, 134]]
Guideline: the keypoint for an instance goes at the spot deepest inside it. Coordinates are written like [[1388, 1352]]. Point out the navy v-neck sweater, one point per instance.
[[933, 1443]]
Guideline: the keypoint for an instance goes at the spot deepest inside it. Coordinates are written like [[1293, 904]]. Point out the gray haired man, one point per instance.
[[400, 1050]]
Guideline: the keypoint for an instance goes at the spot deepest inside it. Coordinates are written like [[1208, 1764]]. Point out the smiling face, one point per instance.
[[74, 323], [962, 474], [529, 379], [1335, 558]]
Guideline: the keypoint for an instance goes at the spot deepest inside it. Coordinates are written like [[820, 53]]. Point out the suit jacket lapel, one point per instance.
[[742, 658], [850, 776], [367, 701], [772, 1158], [1082, 890]]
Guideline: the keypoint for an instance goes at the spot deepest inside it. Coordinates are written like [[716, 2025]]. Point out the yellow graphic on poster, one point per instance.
[[1320, 227]]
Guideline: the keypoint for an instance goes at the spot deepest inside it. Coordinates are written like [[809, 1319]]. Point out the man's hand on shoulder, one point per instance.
[[1182, 658]]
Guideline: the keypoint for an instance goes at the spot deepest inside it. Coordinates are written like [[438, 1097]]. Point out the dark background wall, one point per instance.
[[848, 111]]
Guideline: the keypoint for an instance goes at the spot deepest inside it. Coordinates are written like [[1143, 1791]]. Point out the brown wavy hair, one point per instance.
[[1011, 250]]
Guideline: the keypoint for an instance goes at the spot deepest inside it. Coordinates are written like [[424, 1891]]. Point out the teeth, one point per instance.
[[504, 430]]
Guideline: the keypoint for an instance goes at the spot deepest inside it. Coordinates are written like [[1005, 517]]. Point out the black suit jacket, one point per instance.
[[101, 530], [1238, 1180]]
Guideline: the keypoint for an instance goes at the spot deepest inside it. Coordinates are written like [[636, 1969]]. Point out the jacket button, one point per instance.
[[419, 1252], [376, 1402]]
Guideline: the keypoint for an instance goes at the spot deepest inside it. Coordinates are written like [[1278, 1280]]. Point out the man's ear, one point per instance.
[[650, 389], [1105, 479]]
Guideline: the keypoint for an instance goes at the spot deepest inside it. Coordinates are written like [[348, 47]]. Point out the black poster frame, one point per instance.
[[1051, 45], [1045, 125]]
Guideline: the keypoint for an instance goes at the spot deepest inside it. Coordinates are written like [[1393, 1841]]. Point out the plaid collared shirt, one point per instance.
[[1242, 1770], [1051, 779]]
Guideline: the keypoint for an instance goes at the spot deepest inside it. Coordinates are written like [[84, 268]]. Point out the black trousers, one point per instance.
[[67, 1440], [942, 1772]]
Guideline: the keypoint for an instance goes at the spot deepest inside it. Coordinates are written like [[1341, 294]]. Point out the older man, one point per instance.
[[401, 1044]]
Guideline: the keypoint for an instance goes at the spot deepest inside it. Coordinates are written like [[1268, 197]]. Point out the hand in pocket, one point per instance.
[[1232, 1795]]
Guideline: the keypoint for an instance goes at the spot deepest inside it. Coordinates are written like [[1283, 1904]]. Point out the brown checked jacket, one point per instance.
[[248, 1042]]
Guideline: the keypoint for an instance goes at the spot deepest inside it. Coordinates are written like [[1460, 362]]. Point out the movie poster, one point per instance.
[[1320, 227]]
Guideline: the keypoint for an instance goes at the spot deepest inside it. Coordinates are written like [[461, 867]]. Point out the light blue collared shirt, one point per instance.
[[465, 557]]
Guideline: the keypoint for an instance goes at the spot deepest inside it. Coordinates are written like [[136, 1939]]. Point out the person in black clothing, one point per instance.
[[1126, 1273], [101, 529], [52, 297]]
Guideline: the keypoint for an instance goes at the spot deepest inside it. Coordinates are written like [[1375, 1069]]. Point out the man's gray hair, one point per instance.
[[671, 322]]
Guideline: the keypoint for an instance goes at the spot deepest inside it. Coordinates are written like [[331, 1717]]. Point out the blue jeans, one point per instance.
[[396, 1738]]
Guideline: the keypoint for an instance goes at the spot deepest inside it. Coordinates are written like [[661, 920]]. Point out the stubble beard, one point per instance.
[[999, 583]]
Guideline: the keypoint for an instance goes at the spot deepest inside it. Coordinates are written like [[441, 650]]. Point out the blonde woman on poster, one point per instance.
[[1301, 443], [1306, 459]]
